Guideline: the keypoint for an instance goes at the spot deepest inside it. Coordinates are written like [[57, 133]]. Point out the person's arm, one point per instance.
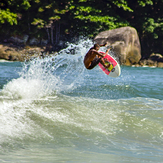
[[107, 50], [99, 54], [104, 44]]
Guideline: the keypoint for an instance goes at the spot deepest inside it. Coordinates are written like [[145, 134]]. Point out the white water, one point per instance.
[[57, 111]]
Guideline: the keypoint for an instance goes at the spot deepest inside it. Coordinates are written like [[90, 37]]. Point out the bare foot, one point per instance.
[[107, 66]]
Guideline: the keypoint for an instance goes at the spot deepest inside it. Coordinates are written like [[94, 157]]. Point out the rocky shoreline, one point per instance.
[[154, 60], [12, 52]]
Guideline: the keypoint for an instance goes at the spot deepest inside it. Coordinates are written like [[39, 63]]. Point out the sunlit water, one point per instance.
[[55, 110]]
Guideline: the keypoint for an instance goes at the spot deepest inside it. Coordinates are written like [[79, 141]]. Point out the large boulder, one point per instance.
[[125, 43]]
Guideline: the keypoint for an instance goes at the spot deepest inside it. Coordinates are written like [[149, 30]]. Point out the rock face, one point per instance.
[[155, 60], [18, 54], [125, 43]]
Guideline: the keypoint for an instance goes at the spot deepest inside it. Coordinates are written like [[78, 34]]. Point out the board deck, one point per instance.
[[114, 70]]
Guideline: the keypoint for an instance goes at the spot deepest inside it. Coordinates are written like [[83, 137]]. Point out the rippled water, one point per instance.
[[54, 110]]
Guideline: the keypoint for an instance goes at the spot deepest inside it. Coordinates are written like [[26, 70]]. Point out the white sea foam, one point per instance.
[[56, 106], [41, 77]]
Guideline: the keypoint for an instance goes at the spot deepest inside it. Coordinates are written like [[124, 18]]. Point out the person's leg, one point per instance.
[[94, 62], [104, 64]]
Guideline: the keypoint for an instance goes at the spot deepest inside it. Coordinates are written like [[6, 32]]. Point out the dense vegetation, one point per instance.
[[57, 20]]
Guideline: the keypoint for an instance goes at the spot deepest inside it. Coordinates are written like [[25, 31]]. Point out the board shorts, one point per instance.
[[94, 63]]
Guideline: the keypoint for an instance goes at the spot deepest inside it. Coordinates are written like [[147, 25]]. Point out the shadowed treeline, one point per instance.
[[60, 20]]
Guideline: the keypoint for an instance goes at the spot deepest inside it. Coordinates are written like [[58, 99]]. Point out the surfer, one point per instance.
[[93, 57]]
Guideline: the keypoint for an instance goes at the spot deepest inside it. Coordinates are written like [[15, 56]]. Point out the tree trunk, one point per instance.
[[48, 35], [52, 27], [57, 33]]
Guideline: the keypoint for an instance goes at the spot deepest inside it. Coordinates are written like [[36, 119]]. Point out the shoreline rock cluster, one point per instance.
[[155, 60], [12, 52]]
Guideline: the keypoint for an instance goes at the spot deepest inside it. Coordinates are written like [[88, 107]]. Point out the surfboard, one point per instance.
[[114, 70]]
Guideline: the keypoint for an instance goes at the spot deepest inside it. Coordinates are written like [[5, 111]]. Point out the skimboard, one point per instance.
[[114, 70]]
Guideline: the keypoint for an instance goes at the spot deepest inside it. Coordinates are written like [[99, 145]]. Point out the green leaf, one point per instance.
[[49, 6], [7, 16], [145, 2], [82, 0], [123, 4], [38, 22], [88, 9], [26, 4], [40, 9], [60, 11], [150, 25], [55, 17]]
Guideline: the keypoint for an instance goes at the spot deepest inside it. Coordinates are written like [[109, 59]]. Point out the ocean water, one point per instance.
[[54, 110]]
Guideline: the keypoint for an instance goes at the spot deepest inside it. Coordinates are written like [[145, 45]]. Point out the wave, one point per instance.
[[57, 101], [41, 77], [62, 120]]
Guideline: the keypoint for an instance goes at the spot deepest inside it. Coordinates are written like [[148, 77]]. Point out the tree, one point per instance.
[[11, 12], [49, 17], [147, 19], [62, 19], [93, 16]]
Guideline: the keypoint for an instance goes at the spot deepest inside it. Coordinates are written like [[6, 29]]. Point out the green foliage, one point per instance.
[[25, 4], [87, 9], [123, 4], [71, 18], [54, 18], [150, 25], [39, 23], [145, 2], [7, 16], [108, 21]]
